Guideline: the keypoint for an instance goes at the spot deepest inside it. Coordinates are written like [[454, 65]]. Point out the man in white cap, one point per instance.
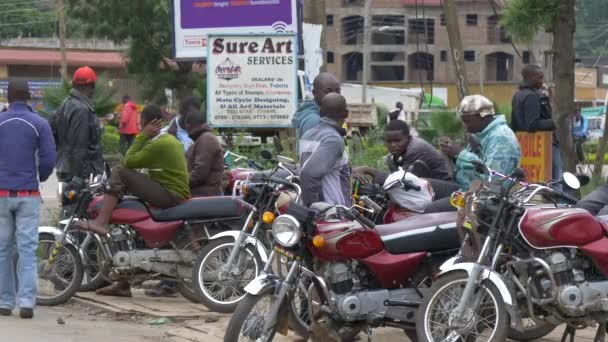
[[499, 149]]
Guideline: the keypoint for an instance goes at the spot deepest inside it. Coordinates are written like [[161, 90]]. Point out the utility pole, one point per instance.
[[367, 35], [314, 13], [481, 72], [64, 58], [451, 22]]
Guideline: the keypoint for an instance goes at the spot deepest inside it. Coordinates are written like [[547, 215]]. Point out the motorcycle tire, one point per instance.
[[298, 324], [531, 333], [241, 314], [460, 278], [188, 292], [96, 282], [77, 275], [211, 303]]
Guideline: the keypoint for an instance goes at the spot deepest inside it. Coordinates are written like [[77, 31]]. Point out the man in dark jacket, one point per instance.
[[532, 111], [27, 157], [77, 131], [205, 157]]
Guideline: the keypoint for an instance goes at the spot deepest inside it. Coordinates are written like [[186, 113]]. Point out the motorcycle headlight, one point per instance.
[[286, 230]]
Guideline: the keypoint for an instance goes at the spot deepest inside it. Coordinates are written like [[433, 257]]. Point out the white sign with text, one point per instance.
[[251, 80]]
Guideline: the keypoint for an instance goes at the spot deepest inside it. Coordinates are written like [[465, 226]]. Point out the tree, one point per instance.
[[523, 19], [145, 25], [591, 30], [24, 18]]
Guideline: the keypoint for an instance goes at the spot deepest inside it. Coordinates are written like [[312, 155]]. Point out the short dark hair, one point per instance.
[[398, 125], [399, 104], [189, 103], [126, 98], [195, 118], [18, 90], [150, 113]]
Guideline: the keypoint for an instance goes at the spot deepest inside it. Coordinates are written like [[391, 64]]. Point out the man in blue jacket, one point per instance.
[[309, 113], [28, 156]]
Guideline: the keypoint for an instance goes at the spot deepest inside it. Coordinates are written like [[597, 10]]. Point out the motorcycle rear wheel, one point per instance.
[[531, 332], [63, 274], [245, 324]]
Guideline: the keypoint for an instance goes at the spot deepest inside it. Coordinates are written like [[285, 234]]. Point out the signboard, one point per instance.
[[536, 155], [194, 20], [252, 80], [595, 120]]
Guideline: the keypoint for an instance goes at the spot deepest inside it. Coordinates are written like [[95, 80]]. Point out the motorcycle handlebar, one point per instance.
[[567, 198], [407, 185]]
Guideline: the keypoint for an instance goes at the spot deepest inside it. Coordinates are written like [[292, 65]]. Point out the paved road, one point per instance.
[[81, 324]]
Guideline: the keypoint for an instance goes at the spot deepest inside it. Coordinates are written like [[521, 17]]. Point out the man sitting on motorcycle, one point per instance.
[[499, 148], [166, 185]]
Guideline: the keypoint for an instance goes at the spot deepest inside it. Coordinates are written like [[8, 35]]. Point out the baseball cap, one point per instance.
[[84, 75], [476, 104]]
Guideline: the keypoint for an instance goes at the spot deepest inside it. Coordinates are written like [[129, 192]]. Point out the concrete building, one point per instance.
[[410, 46]]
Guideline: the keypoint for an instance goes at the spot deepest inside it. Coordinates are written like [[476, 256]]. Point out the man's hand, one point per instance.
[[152, 128], [449, 147], [363, 174]]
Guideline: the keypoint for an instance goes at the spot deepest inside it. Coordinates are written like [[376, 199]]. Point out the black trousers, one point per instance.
[[123, 181], [126, 140]]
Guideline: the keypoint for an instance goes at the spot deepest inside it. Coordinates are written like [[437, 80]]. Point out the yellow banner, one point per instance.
[[536, 155]]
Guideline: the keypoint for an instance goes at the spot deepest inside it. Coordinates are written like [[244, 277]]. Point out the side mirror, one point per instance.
[[278, 147], [474, 143], [266, 155], [583, 179], [571, 181]]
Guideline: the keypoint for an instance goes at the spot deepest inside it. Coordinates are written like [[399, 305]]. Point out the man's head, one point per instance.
[[149, 114], [533, 76], [399, 105], [476, 112], [126, 99], [397, 137], [18, 91], [84, 81], [188, 104], [333, 106], [194, 119], [324, 84]]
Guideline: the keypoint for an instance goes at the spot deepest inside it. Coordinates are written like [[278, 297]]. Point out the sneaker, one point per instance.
[[26, 313], [5, 312]]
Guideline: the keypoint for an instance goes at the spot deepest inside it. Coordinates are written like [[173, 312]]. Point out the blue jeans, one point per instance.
[[19, 220]]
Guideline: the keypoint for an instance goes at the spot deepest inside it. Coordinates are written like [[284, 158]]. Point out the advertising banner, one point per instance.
[[194, 20], [252, 80], [536, 158]]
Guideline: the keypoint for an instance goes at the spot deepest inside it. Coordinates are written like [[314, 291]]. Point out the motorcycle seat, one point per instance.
[[200, 208], [421, 233]]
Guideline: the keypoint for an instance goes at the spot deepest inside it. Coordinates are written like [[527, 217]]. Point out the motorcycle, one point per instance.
[[547, 265], [233, 258], [363, 275], [143, 242]]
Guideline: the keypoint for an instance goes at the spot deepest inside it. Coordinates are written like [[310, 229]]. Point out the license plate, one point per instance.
[[284, 252]]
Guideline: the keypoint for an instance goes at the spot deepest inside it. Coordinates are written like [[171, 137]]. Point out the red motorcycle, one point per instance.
[[364, 276], [142, 243]]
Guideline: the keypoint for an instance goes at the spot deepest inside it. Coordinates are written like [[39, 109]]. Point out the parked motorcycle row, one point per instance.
[[515, 261]]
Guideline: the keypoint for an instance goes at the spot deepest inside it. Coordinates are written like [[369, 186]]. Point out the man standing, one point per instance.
[[129, 125], [580, 130], [308, 115], [532, 111], [77, 131], [325, 174], [28, 154], [205, 157]]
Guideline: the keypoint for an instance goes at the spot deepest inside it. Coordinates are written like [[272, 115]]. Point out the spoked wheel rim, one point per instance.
[[253, 326], [223, 288], [299, 303], [481, 326], [55, 274]]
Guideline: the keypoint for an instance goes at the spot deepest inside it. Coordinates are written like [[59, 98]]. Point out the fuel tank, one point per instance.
[[569, 227], [341, 245]]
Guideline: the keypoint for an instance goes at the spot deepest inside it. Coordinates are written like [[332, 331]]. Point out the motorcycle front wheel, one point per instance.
[[60, 271], [247, 322], [489, 322], [532, 330], [221, 291]]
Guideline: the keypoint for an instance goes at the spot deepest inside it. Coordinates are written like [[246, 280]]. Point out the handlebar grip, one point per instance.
[[255, 165], [567, 198], [363, 220], [410, 186]]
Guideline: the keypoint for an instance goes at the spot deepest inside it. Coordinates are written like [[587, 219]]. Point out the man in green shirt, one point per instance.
[[162, 155]]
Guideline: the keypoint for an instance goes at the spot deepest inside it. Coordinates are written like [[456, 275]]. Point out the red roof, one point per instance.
[[106, 59]]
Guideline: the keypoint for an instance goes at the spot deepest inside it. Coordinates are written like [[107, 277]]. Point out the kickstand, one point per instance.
[[600, 335], [570, 331]]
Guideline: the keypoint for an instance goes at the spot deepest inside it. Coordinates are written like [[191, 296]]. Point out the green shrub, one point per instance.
[[382, 115], [111, 140], [103, 98]]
